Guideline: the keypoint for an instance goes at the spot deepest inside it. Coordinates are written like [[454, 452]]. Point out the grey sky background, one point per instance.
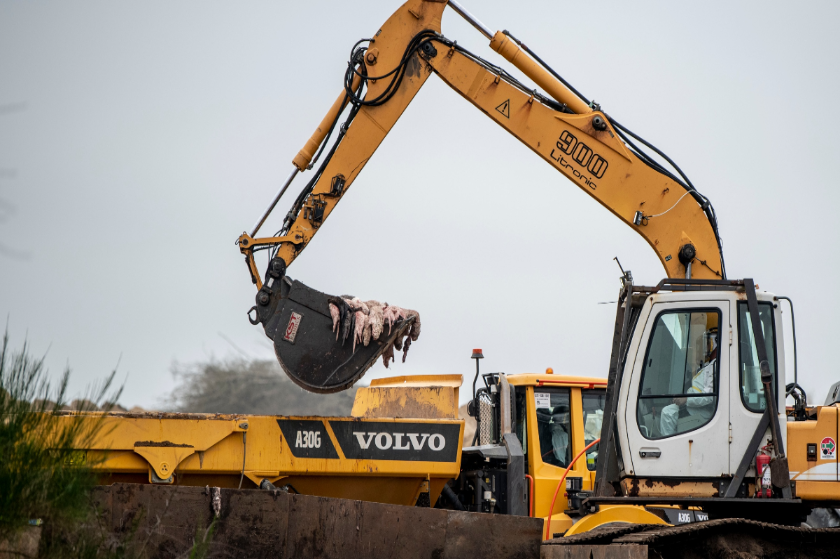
[[138, 140]]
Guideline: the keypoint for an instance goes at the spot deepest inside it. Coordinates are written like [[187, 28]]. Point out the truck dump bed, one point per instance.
[[368, 456]]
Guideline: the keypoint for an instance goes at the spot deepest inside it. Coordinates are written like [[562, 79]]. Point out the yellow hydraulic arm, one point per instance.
[[576, 137]]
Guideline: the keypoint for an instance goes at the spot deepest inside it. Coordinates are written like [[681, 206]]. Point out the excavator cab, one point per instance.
[[311, 350]]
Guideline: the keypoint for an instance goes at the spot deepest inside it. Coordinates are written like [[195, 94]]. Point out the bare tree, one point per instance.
[[249, 386]]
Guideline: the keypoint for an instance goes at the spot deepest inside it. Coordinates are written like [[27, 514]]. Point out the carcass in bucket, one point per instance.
[[322, 349]]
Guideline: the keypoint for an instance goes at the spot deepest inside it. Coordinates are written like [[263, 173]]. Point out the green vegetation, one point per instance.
[[44, 478], [203, 541], [41, 475]]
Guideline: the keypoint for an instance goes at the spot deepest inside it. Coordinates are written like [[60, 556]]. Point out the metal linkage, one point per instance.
[[680, 284], [471, 19], [274, 202]]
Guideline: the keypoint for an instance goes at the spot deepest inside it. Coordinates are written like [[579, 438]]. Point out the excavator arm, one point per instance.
[[581, 141]]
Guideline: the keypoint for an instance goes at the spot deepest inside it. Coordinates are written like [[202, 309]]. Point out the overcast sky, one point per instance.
[[139, 139]]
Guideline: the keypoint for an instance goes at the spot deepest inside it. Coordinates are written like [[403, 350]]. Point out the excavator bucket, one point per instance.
[[297, 318]]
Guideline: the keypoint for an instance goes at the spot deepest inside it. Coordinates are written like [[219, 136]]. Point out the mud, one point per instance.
[[163, 444], [162, 415]]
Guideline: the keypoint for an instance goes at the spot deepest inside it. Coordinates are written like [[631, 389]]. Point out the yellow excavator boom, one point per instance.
[[575, 136]]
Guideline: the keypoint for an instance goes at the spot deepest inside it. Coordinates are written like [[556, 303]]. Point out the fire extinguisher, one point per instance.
[[762, 474]]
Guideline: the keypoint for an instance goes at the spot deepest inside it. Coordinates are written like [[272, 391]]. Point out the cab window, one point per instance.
[[554, 425], [678, 390], [752, 389], [593, 417]]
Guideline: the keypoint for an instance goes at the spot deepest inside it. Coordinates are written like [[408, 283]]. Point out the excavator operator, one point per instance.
[[688, 412]]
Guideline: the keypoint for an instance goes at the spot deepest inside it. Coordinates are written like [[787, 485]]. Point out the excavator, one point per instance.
[[687, 421], [566, 130], [680, 441]]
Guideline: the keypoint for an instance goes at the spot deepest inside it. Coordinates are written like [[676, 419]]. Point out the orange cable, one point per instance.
[[556, 491]]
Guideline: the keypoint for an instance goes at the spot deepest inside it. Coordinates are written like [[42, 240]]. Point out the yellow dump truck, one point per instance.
[[403, 444]]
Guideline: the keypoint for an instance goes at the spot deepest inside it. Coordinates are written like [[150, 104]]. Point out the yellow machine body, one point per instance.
[[815, 470], [546, 476], [232, 450], [583, 145], [370, 457], [619, 514]]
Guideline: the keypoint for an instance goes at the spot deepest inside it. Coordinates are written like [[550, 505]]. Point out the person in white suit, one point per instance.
[[699, 408]]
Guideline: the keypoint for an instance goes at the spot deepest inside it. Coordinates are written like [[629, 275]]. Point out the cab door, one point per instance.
[[677, 412], [748, 400]]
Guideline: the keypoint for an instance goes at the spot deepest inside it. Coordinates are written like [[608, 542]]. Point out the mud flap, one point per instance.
[[298, 321]]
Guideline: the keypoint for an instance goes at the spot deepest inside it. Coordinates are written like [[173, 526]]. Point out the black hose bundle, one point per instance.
[[356, 67]]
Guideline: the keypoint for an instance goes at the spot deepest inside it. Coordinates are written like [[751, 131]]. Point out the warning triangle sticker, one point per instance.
[[504, 108]]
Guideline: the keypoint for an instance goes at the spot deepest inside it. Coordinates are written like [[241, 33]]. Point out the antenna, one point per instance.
[[626, 277]]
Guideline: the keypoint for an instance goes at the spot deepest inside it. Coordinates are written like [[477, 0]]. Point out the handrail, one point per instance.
[[530, 495], [793, 331]]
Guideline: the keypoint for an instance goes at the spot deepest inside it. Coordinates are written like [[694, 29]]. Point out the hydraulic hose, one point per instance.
[[453, 498]]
